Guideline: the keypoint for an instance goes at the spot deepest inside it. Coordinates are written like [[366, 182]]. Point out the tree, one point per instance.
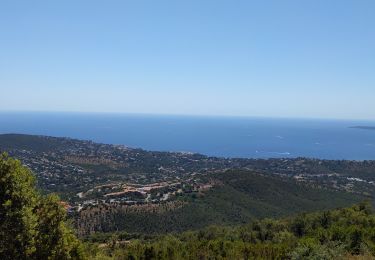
[[54, 239], [17, 201], [31, 226]]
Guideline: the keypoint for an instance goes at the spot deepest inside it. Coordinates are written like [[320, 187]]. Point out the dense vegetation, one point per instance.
[[238, 197], [31, 226], [186, 226], [336, 234]]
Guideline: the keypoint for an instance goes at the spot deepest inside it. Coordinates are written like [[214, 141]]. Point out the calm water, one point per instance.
[[217, 136]]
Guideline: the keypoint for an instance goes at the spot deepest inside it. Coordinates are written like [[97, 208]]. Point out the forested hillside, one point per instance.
[[237, 197], [347, 233], [116, 188], [34, 226]]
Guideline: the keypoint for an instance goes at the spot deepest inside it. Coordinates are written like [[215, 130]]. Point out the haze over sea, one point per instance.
[[214, 136]]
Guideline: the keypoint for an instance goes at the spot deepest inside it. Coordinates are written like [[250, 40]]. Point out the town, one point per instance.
[[84, 173]]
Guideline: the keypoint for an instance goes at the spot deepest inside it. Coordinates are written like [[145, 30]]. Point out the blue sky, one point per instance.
[[201, 57]]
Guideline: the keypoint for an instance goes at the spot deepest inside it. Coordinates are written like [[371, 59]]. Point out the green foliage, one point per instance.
[[240, 197], [336, 234], [31, 226], [17, 200]]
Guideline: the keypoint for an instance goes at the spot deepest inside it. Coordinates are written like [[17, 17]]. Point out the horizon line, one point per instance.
[[185, 115]]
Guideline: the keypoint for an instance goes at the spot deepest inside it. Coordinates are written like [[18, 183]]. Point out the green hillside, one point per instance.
[[239, 197], [241, 202], [32, 142], [347, 233]]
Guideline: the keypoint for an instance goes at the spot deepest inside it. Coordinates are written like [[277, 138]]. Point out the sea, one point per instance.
[[246, 137]]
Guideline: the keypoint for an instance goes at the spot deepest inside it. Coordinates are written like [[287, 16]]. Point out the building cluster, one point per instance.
[[86, 173]]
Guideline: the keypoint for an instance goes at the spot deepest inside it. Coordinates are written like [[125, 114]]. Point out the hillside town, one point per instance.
[[85, 173]]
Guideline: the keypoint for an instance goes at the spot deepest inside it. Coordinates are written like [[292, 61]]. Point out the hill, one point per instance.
[[236, 198], [113, 187], [346, 233], [33, 226]]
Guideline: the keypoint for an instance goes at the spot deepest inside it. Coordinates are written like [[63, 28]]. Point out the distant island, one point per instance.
[[364, 127]]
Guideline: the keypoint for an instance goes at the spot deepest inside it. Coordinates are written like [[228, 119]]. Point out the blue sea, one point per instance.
[[215, 136]]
